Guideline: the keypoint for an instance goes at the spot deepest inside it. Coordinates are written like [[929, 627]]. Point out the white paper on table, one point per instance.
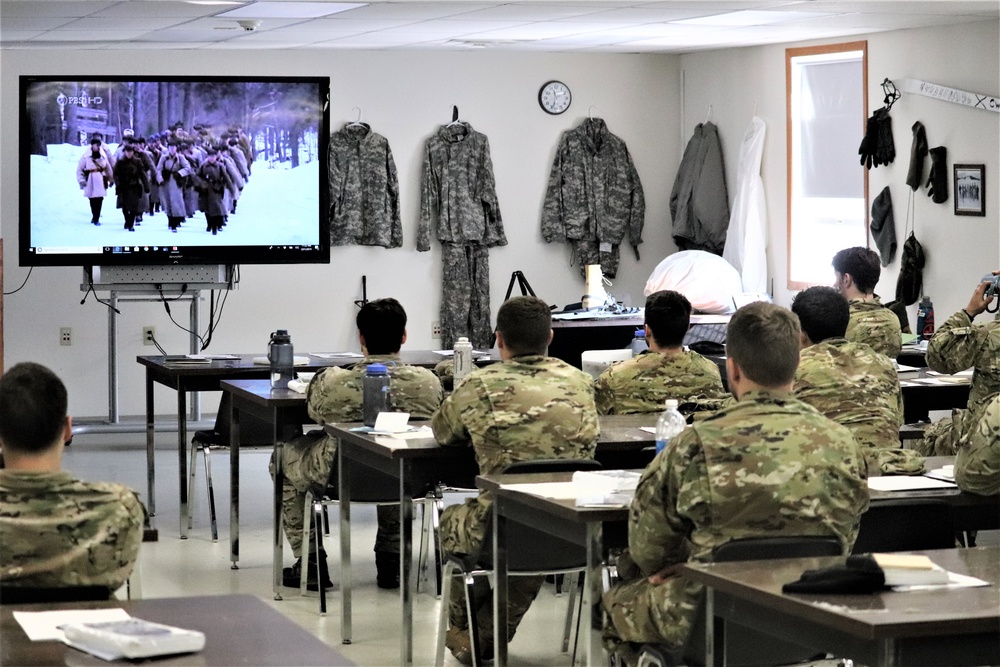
[[212, 356], [648, 429], [411, 433], [391, 422], [954, 581], [335, 355], [555, 490], [903, 368], [298, 386], [946, 473], [45, 625], [907, 483]]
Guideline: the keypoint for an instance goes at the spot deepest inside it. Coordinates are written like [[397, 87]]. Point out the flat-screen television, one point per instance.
[[210, 169]]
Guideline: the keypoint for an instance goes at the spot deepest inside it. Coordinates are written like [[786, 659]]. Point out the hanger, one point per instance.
[[708, 115], [891, 94], [590, 112], [357, 121], [454, 117]]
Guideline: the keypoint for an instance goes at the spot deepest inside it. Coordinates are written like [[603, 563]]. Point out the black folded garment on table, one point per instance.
[[860, 574]]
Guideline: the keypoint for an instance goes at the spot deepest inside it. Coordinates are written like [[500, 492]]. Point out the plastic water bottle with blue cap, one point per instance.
[[375, 394], [669, 425], [639, 344]]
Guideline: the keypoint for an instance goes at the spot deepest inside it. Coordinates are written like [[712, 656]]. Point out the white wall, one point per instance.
[[959, 249], [405, 97]]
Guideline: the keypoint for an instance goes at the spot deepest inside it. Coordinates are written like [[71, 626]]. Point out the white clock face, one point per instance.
[[554, 97]]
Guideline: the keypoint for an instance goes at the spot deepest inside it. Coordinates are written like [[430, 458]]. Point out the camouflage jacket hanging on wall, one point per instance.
[[364, 189]]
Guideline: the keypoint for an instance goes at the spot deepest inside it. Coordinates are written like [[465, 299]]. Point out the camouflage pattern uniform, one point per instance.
[[769, 465], [364, 189], [458, 199], [644, 382], [875, 325], [957, 345], [858, 388], [58, 531], [594, 196], [977, 466], [528, 407], [335, 395]]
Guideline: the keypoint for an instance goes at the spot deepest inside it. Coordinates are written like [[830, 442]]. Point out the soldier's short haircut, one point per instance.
[[763, 340], [668, 315], [862, 264], [525, 322], [33, 407], [823, 313], [382, 323]]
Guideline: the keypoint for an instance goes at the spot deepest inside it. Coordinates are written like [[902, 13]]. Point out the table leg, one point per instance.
[[592, 579], [405, 569], [344, 493], [500, 594], [182, 456], [713, 658], [150, 453], [888, 656], [279, 484], [234, 485]]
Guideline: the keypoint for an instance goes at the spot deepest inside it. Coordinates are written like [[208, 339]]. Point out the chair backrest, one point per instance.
[[253, 430], [528, 548], [906, 525], [745, 646], [30, 595]]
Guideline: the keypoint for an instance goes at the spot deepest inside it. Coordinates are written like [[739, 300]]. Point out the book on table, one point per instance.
[[132, 638], [910, 569]]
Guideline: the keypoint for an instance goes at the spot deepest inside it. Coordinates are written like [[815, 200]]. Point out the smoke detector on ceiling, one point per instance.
[[249, 24]]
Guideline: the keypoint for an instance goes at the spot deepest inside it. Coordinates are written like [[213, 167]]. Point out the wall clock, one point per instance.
[[554, 97]]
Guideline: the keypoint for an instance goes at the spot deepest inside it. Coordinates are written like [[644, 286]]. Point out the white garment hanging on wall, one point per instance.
[[746, 239]]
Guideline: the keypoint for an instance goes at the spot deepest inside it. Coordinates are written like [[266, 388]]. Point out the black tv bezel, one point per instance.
[[191, 255]]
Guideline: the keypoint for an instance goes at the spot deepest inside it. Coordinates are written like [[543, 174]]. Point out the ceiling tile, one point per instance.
[[301, 10], [86, 35], [33, 23], [413, 10], [118, 26], [159, 9], [53, 8]]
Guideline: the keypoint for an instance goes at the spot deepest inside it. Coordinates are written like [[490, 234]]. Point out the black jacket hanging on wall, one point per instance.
[[699, 203]]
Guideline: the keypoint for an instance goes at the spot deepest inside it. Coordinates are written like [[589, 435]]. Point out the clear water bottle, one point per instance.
[[375, 396], [280, 354], [925, 319], [639, 344], [463, 359], [669, 425]]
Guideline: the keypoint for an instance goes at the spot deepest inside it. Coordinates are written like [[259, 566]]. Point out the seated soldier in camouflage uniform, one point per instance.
[[960, 344], [768, 465], [977, 466], [850, 383], [665, 370], [335, 395], [856, 272], [56, 531], [530, 406]]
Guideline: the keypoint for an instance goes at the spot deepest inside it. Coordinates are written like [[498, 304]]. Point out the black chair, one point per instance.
[[31, 595], [905, 525], [530, 552], [747, 647], [254, 432]]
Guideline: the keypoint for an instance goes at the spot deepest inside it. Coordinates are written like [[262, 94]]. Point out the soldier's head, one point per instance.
[[33, 406], [524, 326], [762, 348], [382, 326], [668, 315], [823, 313], [129, 149], [856, 271]]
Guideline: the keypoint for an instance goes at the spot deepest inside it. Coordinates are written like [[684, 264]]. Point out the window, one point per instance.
[[826, 100]]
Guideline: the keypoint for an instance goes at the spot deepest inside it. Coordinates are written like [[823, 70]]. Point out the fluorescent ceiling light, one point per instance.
[[289, 10]]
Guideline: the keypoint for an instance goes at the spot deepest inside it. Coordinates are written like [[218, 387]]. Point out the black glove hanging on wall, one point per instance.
[[918, 151], [869, 144], [886, 146], [937, 184]]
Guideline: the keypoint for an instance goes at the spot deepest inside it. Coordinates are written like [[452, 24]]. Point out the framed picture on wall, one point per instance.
[[970, 189]]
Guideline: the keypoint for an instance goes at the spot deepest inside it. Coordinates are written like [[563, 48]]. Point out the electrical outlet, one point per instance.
[[435, 329], [148, 335], [65, 336]]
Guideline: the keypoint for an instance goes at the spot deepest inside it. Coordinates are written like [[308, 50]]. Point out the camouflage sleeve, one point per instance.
[[428, 202], [637, 209], [977, 465], [336, 179], [657, 535], [334, 395], [956, 345], [449, 429], [553, 229], [494, 234], [392, 195], [604, 395]]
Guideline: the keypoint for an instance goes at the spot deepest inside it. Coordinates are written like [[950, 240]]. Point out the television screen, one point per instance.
[[173, 170]]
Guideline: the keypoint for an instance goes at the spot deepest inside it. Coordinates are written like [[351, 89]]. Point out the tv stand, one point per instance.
[[135, 284]]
